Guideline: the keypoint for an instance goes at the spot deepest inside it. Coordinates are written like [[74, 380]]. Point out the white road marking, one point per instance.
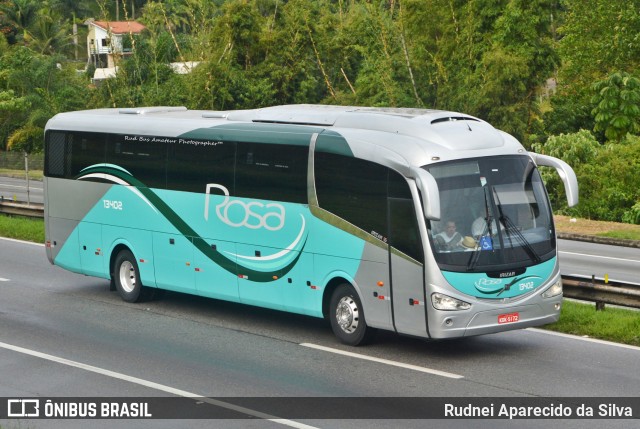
[[21, 241], [14, 186], [156, 386], [384, 361], [587, 339], [3, 279], [598, 256]]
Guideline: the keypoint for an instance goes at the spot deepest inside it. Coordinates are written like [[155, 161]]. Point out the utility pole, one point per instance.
[[26, 169]]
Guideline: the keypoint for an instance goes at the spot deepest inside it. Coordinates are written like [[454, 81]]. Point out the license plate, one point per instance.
[[508, 318]]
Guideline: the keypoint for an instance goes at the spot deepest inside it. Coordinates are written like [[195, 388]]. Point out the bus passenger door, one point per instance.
[[406, 269]]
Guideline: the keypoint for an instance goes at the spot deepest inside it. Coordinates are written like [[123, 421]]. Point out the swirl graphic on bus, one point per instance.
[[259, 269]]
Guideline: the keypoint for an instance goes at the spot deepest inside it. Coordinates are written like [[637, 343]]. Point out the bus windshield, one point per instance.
[[495, 215]]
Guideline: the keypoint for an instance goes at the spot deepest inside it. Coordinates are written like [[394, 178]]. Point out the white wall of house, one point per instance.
[[100, 42]]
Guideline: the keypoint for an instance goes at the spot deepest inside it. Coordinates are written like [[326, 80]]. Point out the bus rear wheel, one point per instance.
[[347, 317], [127, 278]]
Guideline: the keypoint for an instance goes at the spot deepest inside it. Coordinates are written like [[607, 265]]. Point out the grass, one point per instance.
[[627, 235], [602, 229], [19, 174], [22, 228], [612, 324]]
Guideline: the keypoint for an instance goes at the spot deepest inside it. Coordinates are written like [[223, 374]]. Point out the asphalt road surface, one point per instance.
[[67, 335], [12, 188], [592, 259]]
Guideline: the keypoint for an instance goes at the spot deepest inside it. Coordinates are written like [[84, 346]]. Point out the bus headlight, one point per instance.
[[554, 290], [444, 302]]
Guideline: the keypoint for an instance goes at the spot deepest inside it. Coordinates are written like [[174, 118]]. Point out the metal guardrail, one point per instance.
[[22, 209], [601, 292], [594, 290]]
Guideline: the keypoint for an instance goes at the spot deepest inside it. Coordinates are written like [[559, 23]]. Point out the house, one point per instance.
[[107, 41]]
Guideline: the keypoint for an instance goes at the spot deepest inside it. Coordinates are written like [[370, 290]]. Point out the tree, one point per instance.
[[43, 28], [163, 16], [50, 33], [240, 26], [609, 185], [21, 13], [228, 76], [595, 39], [576, 149], [382, 76], [608, 175], [291, 67], [75, 8], [9, 30], [486, 58], [12, 109], [617, 106], [37, 89]]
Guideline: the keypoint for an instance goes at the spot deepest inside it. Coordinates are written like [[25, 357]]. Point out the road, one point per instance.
[[591, 259], [63, 334], [12, 188]]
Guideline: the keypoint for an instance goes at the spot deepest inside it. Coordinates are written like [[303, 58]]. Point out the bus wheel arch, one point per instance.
[[112, 260], [125, 276], [328, 292], [342, 305]]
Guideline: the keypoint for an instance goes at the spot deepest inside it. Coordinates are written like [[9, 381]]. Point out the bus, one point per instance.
[[427, 223]]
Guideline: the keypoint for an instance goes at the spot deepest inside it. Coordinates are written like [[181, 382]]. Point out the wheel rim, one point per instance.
[[127, 276], [347, 314]]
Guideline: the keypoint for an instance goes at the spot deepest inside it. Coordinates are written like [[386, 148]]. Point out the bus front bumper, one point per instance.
[[453, 324]]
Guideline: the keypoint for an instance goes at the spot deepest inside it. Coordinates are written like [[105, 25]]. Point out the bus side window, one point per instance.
[[191, 167], [353, 189], [86, 149], [145, 160], [58, 155], [272, 172]]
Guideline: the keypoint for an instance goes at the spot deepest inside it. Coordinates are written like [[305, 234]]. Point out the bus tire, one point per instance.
[[127, 278], [347, 317]]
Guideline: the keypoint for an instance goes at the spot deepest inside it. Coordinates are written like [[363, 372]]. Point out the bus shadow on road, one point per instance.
[[299, 329]]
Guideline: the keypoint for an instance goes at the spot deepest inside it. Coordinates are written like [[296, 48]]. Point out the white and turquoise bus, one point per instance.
[[427, 223]]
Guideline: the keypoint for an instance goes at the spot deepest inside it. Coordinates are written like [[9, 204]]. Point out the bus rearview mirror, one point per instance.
[[566, 173], [430, 194]]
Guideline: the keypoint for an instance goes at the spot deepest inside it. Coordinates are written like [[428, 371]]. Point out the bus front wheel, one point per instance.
[[347, 317], [127, 278]]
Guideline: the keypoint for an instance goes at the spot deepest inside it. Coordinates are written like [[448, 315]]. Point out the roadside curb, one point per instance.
[[599, 240]]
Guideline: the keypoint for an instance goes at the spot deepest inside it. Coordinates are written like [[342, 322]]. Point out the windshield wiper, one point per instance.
[[473, 261], [510, 227]]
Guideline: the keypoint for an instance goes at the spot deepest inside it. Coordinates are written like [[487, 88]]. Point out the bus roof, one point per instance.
[[390, 136]]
